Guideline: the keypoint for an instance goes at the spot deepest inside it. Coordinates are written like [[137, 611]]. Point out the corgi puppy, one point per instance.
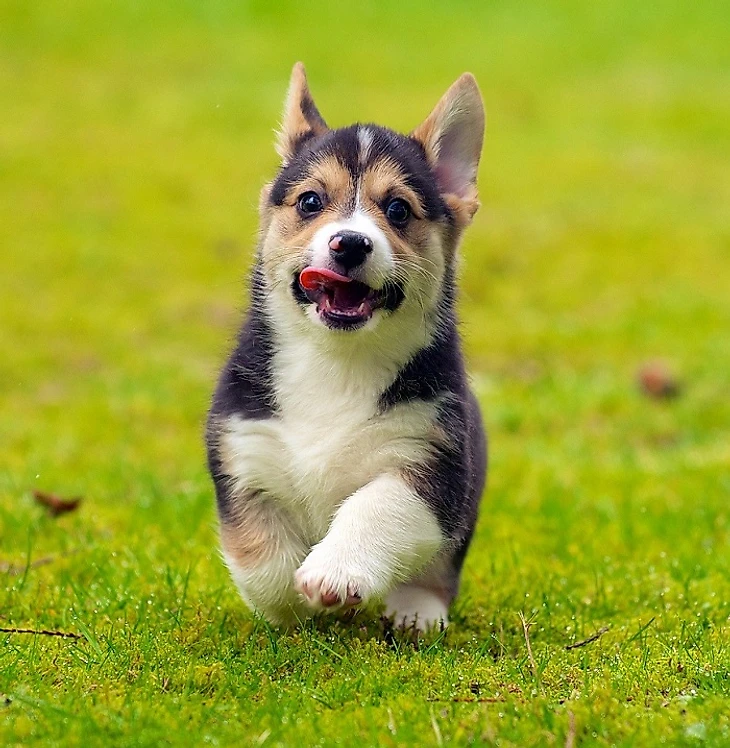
[[345, 445]]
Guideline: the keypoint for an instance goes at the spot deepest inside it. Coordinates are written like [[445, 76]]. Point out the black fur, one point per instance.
[[244, 387], [452, 482], [310, 112]]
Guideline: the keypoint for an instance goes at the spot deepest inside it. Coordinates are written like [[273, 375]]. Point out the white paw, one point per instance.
[[327, 581], [410, 605]]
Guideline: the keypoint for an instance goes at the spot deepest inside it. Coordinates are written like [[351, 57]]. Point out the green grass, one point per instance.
[[134, 139]]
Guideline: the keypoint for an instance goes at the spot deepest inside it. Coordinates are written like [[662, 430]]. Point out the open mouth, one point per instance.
[[343, 303]]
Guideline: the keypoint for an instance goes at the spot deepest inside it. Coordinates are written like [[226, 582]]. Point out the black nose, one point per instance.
[[350, 248]]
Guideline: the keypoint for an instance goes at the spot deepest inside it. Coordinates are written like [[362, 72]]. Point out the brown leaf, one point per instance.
[[55, 504], [656, 380]]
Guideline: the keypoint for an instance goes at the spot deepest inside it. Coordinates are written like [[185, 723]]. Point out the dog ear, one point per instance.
[[301, 118], [452, 136]]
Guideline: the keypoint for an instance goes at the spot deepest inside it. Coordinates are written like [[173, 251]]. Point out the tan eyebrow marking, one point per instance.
[[384, 177]]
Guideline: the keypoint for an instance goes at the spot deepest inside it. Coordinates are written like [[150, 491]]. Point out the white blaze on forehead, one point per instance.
[[365, 139], [379, 263]]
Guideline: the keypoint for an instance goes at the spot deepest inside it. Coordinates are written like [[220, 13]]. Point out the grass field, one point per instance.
[[134, 139]]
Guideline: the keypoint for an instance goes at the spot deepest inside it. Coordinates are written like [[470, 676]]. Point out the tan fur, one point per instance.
[[293, 235], [462, 209], [384, 177], [329, 176], [251, 540], [250, 537], [288, 236]]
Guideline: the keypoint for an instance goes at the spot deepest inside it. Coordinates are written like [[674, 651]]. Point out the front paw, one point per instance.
[[327, 581]]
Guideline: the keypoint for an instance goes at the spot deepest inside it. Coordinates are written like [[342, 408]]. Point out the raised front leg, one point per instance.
[[381, 536]]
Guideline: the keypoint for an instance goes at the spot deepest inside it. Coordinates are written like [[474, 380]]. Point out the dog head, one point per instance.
[[361, 223]]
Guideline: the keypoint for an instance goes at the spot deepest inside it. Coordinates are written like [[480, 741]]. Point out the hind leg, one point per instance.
[[417, 606], [423, 602]]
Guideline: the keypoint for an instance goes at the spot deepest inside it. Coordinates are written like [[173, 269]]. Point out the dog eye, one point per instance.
[[309, 202], [397, 211]]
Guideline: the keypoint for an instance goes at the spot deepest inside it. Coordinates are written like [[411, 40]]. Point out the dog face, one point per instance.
[[361, 223]]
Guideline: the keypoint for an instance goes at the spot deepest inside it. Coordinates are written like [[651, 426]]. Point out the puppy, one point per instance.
[[346, 448]]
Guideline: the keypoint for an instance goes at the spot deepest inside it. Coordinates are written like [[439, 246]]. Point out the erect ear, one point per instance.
[[301, 117], [452, 137]]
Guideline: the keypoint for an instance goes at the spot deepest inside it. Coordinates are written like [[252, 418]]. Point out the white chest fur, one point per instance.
[[329, 437]]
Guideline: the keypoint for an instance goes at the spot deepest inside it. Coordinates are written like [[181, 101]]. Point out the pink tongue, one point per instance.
[[314, 278]]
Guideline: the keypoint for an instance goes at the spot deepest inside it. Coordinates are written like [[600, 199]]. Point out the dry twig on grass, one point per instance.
[[465, 700], [570, 738], [41, 632], [526, 630], [589, 640], [15, 570]]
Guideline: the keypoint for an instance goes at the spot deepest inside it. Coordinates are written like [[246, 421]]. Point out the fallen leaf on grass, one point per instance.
[[55, 504], [656, 380]]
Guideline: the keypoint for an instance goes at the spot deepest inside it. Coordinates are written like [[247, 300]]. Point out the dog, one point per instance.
[[346, 447]]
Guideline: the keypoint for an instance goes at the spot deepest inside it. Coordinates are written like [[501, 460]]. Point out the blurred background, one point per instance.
[[595, 298], [135, 137]]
